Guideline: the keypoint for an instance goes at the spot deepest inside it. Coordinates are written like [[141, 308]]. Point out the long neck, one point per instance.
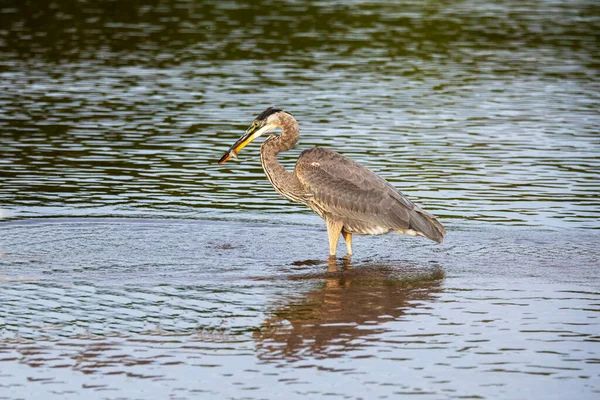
[[284, 182]]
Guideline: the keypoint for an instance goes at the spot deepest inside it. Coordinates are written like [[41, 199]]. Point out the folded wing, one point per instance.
[[366, 203]]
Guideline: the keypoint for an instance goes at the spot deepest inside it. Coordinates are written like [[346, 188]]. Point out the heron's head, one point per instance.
[[265, 122]]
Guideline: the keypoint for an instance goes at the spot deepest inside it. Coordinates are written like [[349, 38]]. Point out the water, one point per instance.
[[148, 308], [132, 265]]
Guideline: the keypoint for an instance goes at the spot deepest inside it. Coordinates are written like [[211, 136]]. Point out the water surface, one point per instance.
[[483, 112], [150, 308], [134, 266]]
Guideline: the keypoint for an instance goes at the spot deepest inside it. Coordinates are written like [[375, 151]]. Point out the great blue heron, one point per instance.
[[349, 197]]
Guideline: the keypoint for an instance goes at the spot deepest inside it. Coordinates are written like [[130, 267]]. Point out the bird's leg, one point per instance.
[[348, 239], [334, 228]]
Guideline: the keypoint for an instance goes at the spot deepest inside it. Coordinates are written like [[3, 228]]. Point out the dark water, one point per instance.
[[133, 266]]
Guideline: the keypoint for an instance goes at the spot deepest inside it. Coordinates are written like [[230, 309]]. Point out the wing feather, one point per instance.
[[345, 189]]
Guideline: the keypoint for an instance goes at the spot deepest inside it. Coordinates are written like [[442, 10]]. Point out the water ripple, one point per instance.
[[492, 118]]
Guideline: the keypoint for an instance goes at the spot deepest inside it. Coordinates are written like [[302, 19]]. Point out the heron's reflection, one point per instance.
[[350, 305]]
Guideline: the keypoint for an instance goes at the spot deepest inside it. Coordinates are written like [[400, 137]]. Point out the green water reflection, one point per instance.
[[478, 111]]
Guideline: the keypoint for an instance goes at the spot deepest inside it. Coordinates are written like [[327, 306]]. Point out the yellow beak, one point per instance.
[[252, 133]]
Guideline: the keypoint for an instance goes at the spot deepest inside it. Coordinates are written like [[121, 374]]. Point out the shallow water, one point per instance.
[[132, 265], [151, 308]]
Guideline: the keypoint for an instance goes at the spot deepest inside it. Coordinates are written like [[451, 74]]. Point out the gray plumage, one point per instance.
[[351, 198], [367, 203]]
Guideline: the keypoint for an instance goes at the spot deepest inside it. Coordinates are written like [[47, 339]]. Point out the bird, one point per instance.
[[351, 198]]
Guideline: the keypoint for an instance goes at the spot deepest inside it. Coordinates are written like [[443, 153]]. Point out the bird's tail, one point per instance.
[[426, 225]]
